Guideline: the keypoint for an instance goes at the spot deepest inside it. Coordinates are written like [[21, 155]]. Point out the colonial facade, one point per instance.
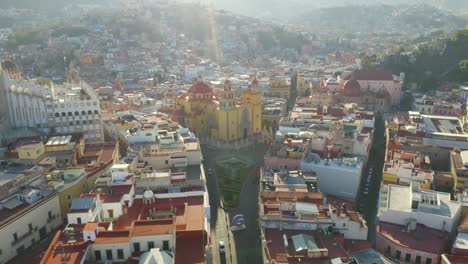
[[72, 107], [222, 118]]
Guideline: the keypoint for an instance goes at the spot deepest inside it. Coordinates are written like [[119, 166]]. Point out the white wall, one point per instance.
[[340, 181], [116, 207], [350, 229], [395, 217], [156, 239], [114, 247], [37, 215], [85, 217]]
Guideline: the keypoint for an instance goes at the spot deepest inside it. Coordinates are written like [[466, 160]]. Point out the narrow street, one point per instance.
[[219, 219], [241, 246], [367, 204]]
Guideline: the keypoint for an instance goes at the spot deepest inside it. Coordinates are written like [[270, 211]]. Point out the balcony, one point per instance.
[[51, 218], [24, 236]]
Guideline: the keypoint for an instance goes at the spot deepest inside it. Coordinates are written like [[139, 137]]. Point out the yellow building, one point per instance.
[[224, 118], [31, 151], [280, 87], [303, 87], [81, 179]]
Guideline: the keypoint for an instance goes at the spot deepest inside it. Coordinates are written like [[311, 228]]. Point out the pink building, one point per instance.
[[376, 81], [287, 155], [274, 162], [422, 245]]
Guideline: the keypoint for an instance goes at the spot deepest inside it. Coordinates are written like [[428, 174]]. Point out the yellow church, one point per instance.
[[221, 117]]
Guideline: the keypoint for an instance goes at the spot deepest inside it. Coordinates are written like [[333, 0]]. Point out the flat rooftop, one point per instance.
[[400, 198], [370, 255], [287, 255]]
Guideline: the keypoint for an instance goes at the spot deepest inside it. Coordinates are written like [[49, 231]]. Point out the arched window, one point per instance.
[[57, 115], [90, 112], [70, 114], [96, 112], [64, 114], [83, 112], [77, 113]]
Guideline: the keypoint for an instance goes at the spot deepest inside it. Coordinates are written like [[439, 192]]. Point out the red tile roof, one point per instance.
[[190, 247], [153, 227], [456, 259], [422, 239], [280, 254]]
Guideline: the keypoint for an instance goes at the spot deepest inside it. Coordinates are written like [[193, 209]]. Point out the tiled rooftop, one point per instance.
[[422, 239], [282, 255]]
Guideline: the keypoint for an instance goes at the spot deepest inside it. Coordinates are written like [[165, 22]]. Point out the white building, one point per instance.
[[339, 177], [58, 109], [85, 209], [20, 228], [410, 205]]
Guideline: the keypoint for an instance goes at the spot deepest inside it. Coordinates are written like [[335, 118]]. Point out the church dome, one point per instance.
[[200, 87], [352, 88]]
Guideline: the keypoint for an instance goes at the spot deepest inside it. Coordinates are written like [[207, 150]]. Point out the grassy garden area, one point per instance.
[[231, 174]]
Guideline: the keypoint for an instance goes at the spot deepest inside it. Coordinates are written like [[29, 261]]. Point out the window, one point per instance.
[[398, 254], [77, 113], [96, 112], [83, 113], [63, 114], [70, 114], [78, 220], [109, 254], [69, 196], [150, 245], [50, 214], [408, 257], [30, 227], [120, 254], [15, 236], [428, 261], [165, 244], [57, 115], [97, 255], [418, 260], [136, 247]]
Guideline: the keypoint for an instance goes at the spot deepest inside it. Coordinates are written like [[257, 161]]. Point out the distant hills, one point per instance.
[[381, 18], [428, 64], [49, 5], [288, 9]]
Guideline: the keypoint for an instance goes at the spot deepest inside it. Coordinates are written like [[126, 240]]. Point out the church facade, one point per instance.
[[222, 117]]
